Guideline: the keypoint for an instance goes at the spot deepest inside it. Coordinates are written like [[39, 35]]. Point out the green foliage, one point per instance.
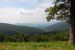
[[60, 10], [54, 36]]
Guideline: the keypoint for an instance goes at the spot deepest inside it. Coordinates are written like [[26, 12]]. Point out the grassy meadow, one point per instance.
[[36, 46], [53, 41]]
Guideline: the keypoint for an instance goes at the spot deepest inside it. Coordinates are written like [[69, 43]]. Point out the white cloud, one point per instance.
[[8, 15], [19, 15], [22, 15], [33, 15]]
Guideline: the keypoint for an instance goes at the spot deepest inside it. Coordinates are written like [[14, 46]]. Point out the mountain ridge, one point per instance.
[[9, 28], [60, 26], [12, 28]]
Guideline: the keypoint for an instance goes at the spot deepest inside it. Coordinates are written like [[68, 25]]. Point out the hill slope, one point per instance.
[[9, 29], [61, 26], [36, 25]]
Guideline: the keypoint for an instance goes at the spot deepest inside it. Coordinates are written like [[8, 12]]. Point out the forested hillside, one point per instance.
[[11, 29]]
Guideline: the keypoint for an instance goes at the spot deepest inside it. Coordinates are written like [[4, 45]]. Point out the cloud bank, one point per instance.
[[25, 14]]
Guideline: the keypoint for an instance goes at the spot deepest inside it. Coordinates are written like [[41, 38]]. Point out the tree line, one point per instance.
[[19, 37]]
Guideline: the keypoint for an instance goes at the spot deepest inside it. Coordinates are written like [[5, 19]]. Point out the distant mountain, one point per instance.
[[60, 26], [32, 29], [36, 25], [10, 29]]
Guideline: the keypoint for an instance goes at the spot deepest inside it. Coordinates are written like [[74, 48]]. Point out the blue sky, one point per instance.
[[24, 11], [18, 3]]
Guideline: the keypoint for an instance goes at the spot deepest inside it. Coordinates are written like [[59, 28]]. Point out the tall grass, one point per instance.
[[36, 46]]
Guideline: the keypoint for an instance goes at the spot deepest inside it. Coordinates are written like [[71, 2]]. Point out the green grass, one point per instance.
[[36, 46]]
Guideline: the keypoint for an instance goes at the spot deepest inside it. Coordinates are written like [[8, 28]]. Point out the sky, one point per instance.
[[24, 11]]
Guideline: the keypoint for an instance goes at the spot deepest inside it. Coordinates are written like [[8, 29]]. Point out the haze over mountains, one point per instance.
[[61, 26], [36, 25], [48, 26], [33, 28]]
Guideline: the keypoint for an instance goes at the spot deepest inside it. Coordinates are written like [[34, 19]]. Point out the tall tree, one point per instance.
[[64, 10]]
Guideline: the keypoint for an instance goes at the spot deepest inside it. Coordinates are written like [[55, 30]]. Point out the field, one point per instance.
[[36, 46]]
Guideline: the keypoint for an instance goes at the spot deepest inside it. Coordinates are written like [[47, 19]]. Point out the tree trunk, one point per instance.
[[72, 34], [72, 19]]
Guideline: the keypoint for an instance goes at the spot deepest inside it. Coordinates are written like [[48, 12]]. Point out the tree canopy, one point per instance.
[[60, 10]]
